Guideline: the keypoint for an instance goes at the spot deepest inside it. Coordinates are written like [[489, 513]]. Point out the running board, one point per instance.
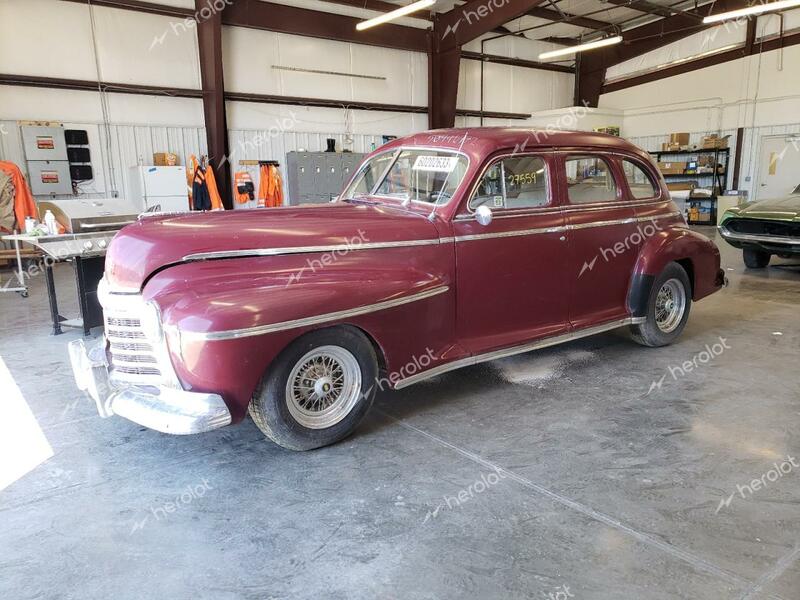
[[537, 345]]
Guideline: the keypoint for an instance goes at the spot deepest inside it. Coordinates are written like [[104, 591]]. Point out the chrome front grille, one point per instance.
[[130, 359], [134, 358]]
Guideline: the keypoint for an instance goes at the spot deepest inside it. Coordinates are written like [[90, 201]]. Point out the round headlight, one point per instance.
[[151, 322]]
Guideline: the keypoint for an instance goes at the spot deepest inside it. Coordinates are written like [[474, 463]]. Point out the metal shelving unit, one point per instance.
[[718, 178]]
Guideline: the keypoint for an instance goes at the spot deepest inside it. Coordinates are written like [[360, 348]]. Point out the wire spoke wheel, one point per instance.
[[323, 387], [670, 305]]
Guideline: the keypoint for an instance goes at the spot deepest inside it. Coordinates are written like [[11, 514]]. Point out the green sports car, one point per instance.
[[764, 228]]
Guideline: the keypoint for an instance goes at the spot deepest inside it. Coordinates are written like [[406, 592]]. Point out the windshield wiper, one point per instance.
[[359, 201]]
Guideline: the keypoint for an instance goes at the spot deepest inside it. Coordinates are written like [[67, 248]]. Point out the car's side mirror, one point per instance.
[[483, 215]]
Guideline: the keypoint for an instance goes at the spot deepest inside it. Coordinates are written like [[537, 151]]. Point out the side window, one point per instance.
[[518, 182], [590, 179], [640, 183]]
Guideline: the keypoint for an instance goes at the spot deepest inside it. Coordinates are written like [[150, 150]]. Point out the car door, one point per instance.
[[602, 233], [511, 272]]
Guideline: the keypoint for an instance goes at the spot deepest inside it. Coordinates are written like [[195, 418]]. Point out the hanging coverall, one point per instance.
[[24, 205], [205, 195], [270, 187]]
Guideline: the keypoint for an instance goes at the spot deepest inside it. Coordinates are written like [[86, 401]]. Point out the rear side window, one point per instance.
[[590, 179], [517, 182], [639, 182]]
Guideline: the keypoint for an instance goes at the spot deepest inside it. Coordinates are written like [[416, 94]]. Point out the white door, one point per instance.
[[779, 167]]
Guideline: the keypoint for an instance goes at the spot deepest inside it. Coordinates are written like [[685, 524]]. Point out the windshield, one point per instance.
[[430, 176]]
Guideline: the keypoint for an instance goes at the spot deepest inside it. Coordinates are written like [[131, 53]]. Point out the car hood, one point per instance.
[[782, 209], [141, 249]]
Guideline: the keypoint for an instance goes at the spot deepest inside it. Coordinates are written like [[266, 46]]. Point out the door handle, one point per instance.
[[562, 238]]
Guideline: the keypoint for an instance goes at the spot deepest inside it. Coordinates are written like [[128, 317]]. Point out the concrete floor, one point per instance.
[[555, 475]]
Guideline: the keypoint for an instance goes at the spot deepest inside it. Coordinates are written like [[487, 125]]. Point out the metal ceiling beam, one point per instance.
[[256, 14], [703, 63], [451, 30], [469, 21], [569, 19], [643, 6], [209, 41], [516, 62], [637, 41], [138, 6], [376, 5]]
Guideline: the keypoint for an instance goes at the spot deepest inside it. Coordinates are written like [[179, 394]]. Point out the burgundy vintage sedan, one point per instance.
[[446, 249]]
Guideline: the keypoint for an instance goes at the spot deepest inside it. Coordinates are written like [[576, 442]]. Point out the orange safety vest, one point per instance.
[[243, 184]]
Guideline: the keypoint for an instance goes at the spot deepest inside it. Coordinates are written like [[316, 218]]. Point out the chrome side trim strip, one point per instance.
[[255, 252], [750, 237], [504, 234], [307, 249], [234, 334], [505, 352]]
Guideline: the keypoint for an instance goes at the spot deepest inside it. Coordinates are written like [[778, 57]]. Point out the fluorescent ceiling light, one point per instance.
[[756, 9], [395, 14], [588, 46]]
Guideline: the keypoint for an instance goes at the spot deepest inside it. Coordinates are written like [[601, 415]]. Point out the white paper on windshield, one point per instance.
[[437, 164]]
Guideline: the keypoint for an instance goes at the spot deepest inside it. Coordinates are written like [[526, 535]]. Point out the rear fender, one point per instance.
[[697, 254]]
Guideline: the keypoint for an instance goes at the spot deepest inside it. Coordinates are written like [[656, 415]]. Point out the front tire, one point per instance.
[[755, 259], [667, 308], [318, 389]]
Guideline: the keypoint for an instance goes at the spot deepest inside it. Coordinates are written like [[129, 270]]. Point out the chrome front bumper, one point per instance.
[[164, 409], [757, 238]]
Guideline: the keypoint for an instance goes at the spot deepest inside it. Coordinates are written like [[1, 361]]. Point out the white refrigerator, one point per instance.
[[160, 186]]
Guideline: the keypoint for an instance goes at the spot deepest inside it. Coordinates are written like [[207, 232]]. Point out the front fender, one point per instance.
[[698, 254], [227, 320]]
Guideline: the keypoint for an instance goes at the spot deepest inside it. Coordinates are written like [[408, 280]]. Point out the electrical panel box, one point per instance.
[[44, 143], [49, 177], [314, 177]]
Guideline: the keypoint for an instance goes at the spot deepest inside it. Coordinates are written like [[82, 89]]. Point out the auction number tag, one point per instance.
[[438, 164]]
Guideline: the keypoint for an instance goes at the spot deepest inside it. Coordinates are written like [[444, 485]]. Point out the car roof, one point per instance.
[[485, 140]]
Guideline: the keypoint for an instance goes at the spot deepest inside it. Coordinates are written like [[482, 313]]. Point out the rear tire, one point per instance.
[[667, 308], [755, 259], [318, 389]]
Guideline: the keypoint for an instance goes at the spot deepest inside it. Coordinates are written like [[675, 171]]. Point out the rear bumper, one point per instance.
[[164, 409]]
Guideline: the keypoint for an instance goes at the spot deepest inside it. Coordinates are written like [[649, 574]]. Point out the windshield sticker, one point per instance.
[[438, 164]]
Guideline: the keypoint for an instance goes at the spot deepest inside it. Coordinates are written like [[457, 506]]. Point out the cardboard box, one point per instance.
[[165, 159], [669, 147], [672, 168], [714, 142], [681, 186], [682, 139]]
